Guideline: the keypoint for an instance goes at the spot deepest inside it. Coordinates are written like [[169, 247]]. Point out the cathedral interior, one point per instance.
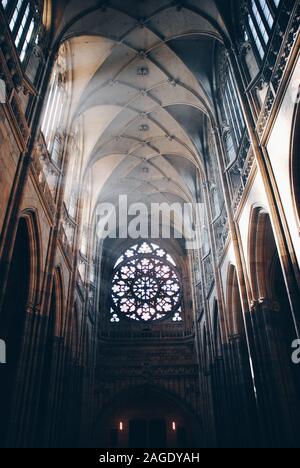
[[139, 339]]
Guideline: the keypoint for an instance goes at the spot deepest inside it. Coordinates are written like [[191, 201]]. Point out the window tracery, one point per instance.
[[261, 18], [24, 18], [146, 286]]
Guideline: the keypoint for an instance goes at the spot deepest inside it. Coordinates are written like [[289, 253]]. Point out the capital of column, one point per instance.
[[253, 305], [215, 130], [30, 309]]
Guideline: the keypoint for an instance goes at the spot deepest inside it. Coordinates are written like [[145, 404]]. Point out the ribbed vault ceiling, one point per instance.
[[142, 75]]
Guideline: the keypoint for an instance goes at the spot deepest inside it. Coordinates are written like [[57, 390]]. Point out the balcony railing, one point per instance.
[[277, 60]]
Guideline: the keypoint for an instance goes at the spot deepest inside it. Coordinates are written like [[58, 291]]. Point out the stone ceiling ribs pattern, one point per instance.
[[142, 87]]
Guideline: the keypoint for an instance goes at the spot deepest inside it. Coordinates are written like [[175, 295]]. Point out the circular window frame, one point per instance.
[[174, 313]]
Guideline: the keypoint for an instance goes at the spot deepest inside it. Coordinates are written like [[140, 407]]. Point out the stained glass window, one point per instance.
[[146, 286]]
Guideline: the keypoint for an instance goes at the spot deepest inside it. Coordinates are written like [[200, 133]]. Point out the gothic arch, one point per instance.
[[262, 250], [36, 256], [27, 260], [20, 298], [266, 273], [163, 399], [295, 161], [154, 389], [234, 304], [210, 27], [273, 324]]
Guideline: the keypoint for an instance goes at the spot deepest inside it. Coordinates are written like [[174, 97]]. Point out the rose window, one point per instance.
[[145, 286]]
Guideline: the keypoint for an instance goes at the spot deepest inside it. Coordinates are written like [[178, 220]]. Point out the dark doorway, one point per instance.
[[146, 418], [158, 434], [182, 440], [138, 433], [147, 434]]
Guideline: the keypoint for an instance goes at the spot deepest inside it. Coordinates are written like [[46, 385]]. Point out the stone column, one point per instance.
[[237, 351], [278, 401], [290, 269]]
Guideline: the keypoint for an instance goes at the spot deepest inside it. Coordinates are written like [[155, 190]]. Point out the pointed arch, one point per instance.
[[30, 216], [262, 249], [266, 272], [20, 298], [25, 273], [146, 402], [295, 161]]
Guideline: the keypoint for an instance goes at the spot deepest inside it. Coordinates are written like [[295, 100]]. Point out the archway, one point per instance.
[[272, 333], [268, 284], [13, 319], [147, 417], [295, 161]]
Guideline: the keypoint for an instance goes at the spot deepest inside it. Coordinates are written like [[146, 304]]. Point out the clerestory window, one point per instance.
[[260, 24], [23, 20]]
